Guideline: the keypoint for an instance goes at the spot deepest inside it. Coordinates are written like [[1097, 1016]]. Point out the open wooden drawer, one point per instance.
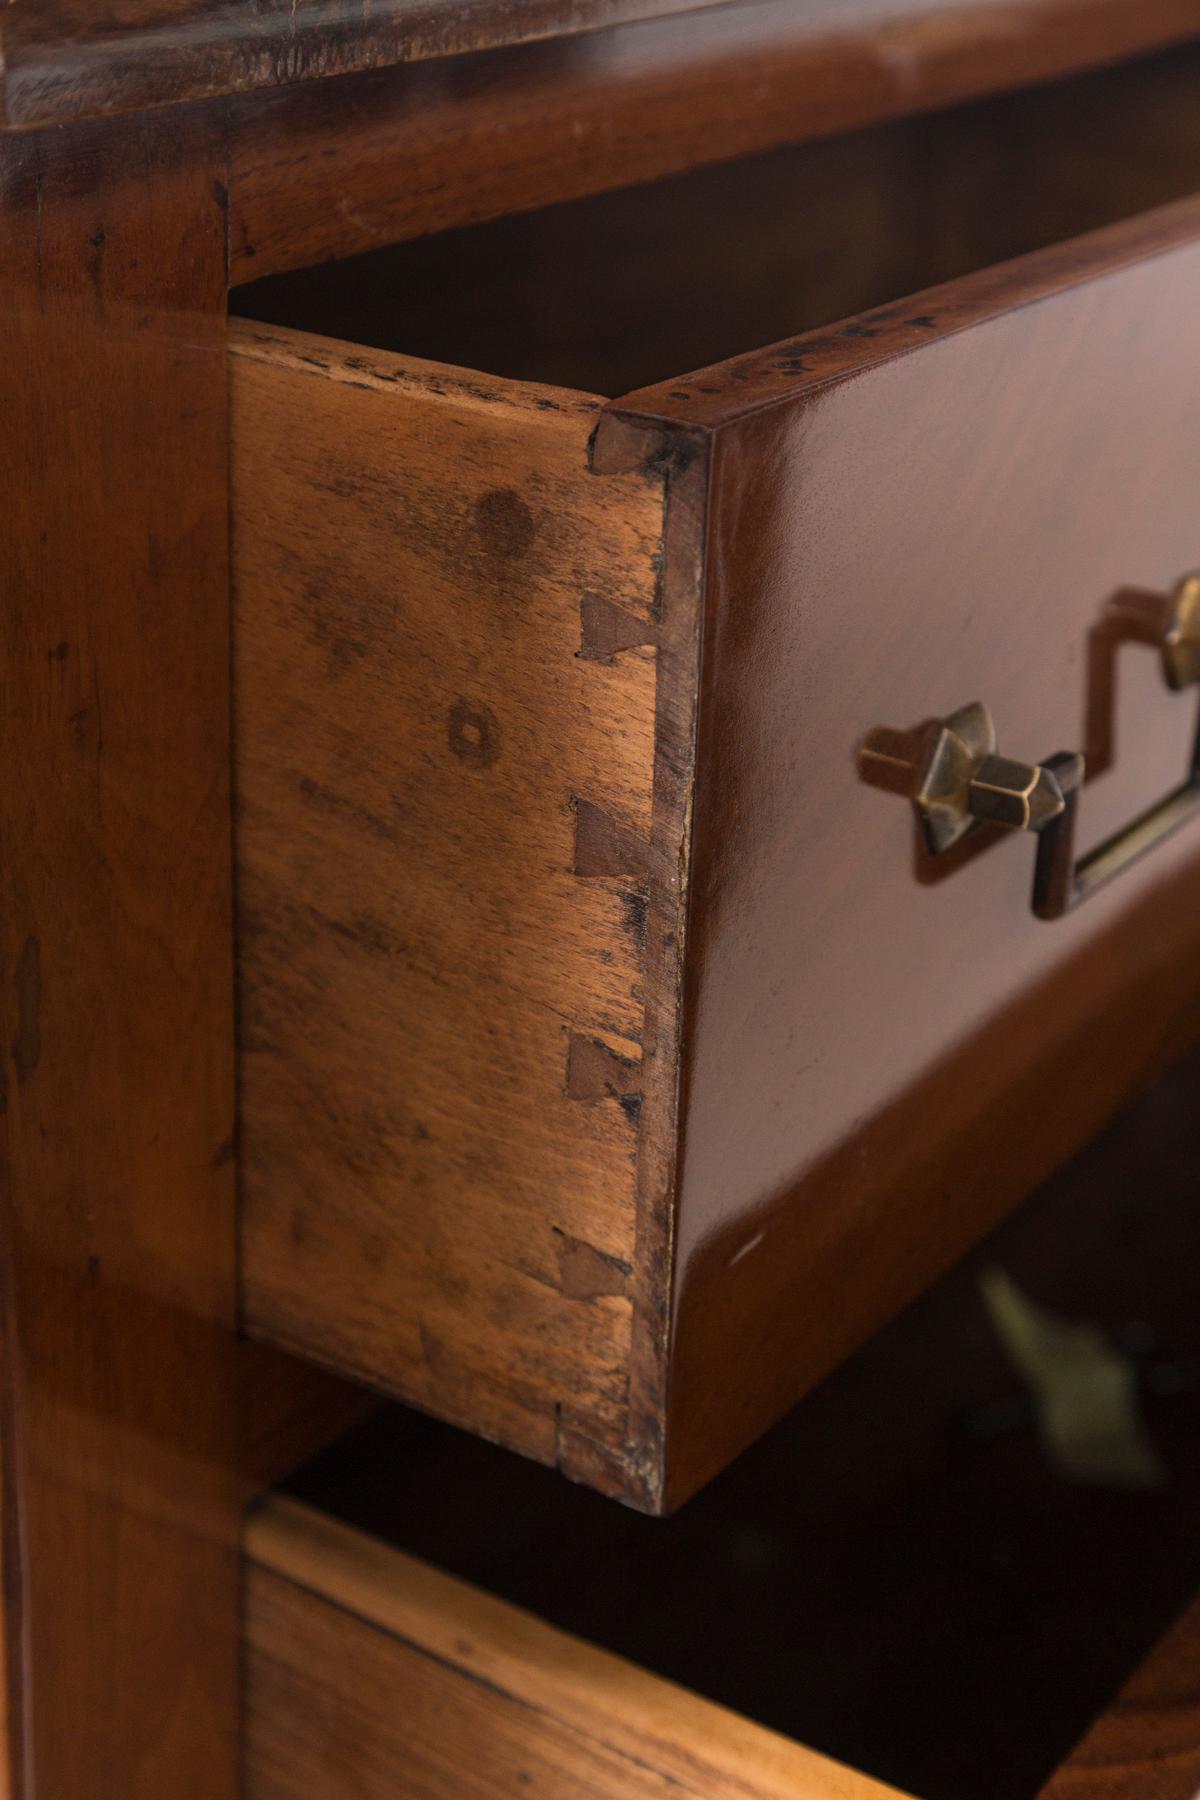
[[615, 1053]]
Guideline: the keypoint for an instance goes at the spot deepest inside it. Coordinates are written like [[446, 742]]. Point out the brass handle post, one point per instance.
[[962, 781]]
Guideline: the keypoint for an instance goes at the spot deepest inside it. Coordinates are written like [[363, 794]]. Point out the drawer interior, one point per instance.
[[627, 288], [900, 1575]]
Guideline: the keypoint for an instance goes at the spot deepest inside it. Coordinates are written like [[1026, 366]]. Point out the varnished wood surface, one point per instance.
[[73, 58], [343, 167], [120, 1408], [445, 691], [367, 1668], [1146, 1746], [890, 526]]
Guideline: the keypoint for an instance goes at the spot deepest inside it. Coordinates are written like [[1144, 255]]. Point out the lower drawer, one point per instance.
[[371, 1676]]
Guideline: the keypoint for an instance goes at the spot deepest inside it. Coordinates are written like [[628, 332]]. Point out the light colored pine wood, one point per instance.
[[444, 773], [371, 1675]]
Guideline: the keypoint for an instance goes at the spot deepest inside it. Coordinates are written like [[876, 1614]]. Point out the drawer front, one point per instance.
[[369, 1675], [613, 1063], [883, 1050]]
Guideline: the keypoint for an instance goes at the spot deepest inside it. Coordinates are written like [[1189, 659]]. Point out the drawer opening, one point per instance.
[[897, 1576], [624, 289]]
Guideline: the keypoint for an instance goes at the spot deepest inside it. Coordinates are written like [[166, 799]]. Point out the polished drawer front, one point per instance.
[[621, 1044], [370, 1675]]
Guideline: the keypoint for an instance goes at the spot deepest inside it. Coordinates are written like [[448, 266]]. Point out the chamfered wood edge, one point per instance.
[[782, 373], [483, 1639], [337, 359]]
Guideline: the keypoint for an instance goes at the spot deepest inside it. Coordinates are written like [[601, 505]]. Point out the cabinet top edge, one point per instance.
[[65, 60]]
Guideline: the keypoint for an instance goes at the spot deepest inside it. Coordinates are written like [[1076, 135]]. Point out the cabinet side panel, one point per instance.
[[121, 1498]]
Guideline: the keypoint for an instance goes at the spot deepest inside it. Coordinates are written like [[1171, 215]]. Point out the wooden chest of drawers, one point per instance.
[[585, 1028]]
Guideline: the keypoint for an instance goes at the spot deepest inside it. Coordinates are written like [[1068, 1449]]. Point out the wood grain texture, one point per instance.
[[335, 169], [366, 1667], [891, 527], [444, 828], [117, 1243], [70, 59], [1146, 1746]]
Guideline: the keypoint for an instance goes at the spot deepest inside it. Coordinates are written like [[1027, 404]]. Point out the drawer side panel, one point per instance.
[[445, 702]]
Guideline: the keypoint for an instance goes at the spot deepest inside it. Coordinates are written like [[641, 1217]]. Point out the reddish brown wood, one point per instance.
[[878, 1060], [66, 59], [71, 59], [1147, 1745], [340, 168], [121, 1504]]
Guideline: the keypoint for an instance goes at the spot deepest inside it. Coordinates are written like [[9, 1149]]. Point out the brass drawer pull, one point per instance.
[[962, 781]]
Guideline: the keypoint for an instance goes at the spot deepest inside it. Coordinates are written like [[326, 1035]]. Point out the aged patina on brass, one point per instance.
[[1181, 640], [962, 782]]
